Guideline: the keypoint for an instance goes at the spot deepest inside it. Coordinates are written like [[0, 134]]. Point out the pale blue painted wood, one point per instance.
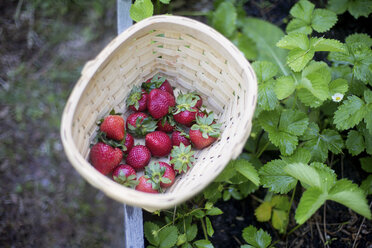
[[133, 220]]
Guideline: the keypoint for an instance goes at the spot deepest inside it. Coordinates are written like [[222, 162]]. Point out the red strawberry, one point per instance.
[[179, 137], [158, 143], [166, 124], [138, 157], [104, 157], [158, 82], [182, 158], [199, 103], [137, 99], [125, 175], [113, 127], [204, 132], [159, 103], [139, 124], [185, 110], [161, 174], [145, 185], [129, 142]]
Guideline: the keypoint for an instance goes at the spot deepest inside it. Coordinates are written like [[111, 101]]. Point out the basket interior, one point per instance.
[[190, 61]]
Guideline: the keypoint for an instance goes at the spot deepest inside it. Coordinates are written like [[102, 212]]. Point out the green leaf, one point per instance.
[[199, 213], [356, 8], [310, 201], [319, 144], [347, 193], [303, 10], [168, 237], [284, 87], [297, 58], [141, 9], [359, 38], [191, 232], [266, 35], [265, 72], [294, 40], [366, 163], [246, 45], [315, 78], [203, 243], [210, 230], [327, 176], [224, 19], [301, 155], [323, 20], [275, 178], [165, 1], [263, 212], [298, 26], [149, 229], [366, 185], [355, 142], [305, 174], [280, 220], [214, 211], [256, 238], [359, 8], [327, 45], [338, 6], [247, 169], [280, 202], [339, 85], [350, 113], [283, 128]]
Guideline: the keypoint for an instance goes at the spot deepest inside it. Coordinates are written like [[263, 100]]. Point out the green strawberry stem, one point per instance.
[[182, 157], [207, 126]]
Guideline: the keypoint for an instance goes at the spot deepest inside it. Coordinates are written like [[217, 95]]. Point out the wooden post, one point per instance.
[[133, 220]]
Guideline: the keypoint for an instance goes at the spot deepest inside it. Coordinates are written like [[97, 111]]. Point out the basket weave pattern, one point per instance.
[[192, 56]]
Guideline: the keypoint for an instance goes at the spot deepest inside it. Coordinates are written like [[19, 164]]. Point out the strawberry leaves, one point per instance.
[[284, 128], [302, 48], [182, 158], [306, 18], [207, 126]]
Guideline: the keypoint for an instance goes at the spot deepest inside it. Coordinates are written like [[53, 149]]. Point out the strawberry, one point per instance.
[[125, 175], [129, 143], [182, 158], [158, 82], [139, 124], [158, 143], [113, 127], [145, 185], [137, 99], [161, 174], [159, 103], [204, 132], [138, 157], [178, 137], [104, 157], [185, 110], [166, 124], [197, 97]]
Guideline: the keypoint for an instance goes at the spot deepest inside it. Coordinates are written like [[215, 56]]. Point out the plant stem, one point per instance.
[[290, 203], [294, 229], [192, 13], [204, 229], [263, 149]]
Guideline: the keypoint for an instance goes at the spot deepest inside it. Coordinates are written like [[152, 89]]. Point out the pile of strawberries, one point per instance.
[[157, 113]]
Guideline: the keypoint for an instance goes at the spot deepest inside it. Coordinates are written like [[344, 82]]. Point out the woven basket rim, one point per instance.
[[105, 184]]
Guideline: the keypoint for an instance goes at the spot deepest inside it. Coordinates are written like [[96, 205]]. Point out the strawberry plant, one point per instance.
[[314, 111]]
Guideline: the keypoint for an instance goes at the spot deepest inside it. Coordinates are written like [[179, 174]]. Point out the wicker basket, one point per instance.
[[192, 56]]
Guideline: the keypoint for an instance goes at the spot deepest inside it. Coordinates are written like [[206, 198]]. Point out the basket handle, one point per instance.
[[88, 66]]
